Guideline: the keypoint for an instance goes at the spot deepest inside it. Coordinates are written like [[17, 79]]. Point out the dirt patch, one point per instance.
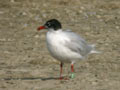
[[25, 63]]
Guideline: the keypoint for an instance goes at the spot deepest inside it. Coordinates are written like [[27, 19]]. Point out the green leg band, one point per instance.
[[72, 75]]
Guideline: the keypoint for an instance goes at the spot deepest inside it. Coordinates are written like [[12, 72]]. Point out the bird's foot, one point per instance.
[[61, 78], [72, 75]]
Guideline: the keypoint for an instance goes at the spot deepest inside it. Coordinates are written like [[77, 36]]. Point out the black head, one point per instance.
[[53, 24]]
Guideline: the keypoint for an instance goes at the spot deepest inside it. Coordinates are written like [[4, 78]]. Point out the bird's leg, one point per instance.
[[61, 70], [72, 71]]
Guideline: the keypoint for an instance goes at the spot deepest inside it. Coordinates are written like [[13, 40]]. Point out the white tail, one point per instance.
[[93, 49]]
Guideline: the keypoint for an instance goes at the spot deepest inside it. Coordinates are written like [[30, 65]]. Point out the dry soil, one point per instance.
[[25, 63]]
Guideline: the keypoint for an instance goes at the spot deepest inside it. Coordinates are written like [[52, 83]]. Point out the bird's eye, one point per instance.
[[48, 24]]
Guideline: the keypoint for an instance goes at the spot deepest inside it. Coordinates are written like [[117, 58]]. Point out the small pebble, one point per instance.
[[94, 83], [44, 15], [36, 36], [12, 1], [98, 16], [82, 8], [25, 25], [117, 27]]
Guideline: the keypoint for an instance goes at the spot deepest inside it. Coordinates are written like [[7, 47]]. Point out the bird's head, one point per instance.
[[51, 24]]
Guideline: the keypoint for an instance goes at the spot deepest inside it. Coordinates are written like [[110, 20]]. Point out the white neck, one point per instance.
[[52, 30]]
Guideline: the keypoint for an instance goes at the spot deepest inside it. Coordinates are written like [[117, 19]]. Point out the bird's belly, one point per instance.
[[57, 48], [62, 53]]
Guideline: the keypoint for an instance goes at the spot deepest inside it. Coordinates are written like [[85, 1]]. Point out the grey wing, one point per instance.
[[77, 44]]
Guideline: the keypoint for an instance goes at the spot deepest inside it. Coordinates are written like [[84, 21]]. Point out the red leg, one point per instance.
[[72, 68], [61, 66], [72, 71]]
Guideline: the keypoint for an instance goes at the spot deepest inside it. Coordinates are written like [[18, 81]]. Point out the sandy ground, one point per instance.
[[25, 63]]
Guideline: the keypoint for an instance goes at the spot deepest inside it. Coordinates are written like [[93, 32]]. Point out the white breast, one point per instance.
[[56, 46]]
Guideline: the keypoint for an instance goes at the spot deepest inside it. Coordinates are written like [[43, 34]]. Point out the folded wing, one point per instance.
[[77, 44]]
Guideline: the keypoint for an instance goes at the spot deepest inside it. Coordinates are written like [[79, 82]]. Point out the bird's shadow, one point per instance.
[[32, 78]]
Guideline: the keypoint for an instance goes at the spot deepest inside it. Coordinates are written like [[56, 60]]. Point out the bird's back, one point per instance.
[[77, 43]]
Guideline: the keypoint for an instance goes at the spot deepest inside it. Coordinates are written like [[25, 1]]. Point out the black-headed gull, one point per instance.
[[65, 46]]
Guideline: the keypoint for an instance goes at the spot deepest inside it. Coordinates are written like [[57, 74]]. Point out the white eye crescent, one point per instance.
[[48, 24]]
